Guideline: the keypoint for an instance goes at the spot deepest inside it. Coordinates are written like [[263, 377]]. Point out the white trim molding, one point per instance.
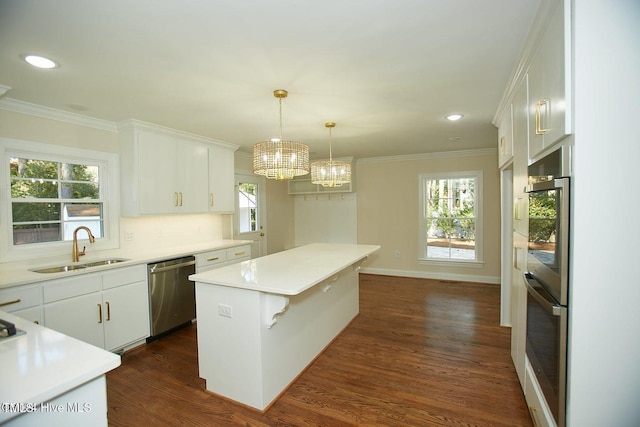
[[17, 106], [494, 280], [423, 156]]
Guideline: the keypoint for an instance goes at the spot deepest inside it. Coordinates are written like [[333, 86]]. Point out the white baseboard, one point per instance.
[[431, 275]]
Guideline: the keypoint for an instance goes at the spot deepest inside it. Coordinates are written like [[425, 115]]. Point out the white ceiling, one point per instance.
[[386, 71]]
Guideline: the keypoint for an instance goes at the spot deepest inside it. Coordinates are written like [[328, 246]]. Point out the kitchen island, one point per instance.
[[51, 379], [263, 321]]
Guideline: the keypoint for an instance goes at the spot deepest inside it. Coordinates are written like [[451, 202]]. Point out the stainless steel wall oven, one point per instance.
[[547, 279]]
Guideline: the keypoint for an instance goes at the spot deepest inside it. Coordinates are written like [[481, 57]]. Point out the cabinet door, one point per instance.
[[158, 177], [80, 317], [33, 314], [221, 179], [518, 306], [520, 147], [505, 137], [549, 100], [193, 166], [126, 315]]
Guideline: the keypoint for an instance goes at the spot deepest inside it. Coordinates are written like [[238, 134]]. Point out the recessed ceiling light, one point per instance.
[[454, 117], [40, 61]]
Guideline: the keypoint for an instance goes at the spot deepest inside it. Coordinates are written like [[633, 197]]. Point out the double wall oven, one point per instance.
[[547, 278]]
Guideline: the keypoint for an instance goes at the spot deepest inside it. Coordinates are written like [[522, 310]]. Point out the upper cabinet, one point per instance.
[[505, 137], [221, 180], [550, 81], [168, 172]]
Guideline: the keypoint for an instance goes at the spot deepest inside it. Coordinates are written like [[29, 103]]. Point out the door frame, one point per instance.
[[259, 237]]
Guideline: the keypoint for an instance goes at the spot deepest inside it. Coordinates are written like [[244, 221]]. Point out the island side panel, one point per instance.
[[313, 319], [229, 348]]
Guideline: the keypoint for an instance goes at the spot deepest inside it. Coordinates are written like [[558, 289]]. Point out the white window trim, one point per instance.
[[422, 239], [109, 182]]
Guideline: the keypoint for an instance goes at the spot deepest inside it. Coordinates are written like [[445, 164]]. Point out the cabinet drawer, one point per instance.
[[69, 288], [538, 408], [206, 260], [239, 252], [18, 298], [124, 276]]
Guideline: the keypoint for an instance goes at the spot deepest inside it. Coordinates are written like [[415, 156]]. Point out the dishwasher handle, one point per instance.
[[154, 269]]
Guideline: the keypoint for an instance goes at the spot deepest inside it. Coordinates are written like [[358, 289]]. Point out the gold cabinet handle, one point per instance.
[[240, 253], [501, 145], [544, 102], [15, 301], [175, 198], [211, 200], [213, 259], [100, 313], [181, 198], [108, 310]]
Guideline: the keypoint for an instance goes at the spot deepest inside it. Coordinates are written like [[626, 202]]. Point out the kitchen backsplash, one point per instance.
[[172, 230]]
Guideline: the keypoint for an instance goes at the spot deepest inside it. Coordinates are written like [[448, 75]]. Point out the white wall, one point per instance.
[[604, 346], [388, 213], [326, 218]]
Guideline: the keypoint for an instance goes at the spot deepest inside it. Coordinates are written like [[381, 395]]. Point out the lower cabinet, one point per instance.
[[538, 408], [111, 317]]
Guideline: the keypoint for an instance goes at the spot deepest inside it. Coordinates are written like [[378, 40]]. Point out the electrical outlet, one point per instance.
[[128, 235], [397, 254], [225, 310]]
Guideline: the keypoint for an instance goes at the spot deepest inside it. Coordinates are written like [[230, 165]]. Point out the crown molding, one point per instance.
[[23, 107], [424, 156], [4, 89], [521, 68]]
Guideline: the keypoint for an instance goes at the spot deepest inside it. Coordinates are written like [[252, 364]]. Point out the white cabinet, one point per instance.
[[162, 172], [206, 261], [221, 179], [520, 143], [19, 298], [505, 137], [550, 82], [538, 408], [109, 310], [519, 306]]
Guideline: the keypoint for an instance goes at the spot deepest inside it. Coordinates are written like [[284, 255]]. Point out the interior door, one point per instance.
[[250, 214]]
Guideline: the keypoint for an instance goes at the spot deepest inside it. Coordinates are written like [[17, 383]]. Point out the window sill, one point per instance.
[[451, 263]]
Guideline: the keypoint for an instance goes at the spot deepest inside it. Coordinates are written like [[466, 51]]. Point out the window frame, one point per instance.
[[109, 185], [423, 259]]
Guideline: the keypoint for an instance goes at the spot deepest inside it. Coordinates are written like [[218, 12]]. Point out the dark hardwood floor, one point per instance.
[[421, 353]]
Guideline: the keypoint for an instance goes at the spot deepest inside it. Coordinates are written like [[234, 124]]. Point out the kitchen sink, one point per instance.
[[72, 267]]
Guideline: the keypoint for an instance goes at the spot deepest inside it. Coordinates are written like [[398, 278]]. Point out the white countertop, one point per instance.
[[43, 364], [289, 272], [18, 273]]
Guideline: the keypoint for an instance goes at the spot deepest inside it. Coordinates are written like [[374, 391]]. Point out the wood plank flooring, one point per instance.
[[421, 353]]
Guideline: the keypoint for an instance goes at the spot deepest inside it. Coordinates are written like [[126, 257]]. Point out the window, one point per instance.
[[49, 199], [247, 207], [450, 221], [51, 190]]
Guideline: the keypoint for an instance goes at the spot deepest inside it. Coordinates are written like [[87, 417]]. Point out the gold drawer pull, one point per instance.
[[100, 313], [213, 259], [240, 253], [15, 301]]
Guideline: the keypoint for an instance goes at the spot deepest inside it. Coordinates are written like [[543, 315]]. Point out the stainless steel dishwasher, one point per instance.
[[172, 295]]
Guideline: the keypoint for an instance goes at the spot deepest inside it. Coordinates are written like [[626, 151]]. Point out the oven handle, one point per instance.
[[536, 290]]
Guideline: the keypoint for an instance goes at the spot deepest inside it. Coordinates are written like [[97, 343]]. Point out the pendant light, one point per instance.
[[279, 159], [331, 173]]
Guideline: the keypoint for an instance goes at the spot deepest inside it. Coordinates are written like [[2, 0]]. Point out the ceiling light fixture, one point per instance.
[[279, 159], [454, 117], [331, 173], [40, 61]]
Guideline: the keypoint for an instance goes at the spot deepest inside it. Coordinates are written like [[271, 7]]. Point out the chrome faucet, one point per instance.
[[76, 253]]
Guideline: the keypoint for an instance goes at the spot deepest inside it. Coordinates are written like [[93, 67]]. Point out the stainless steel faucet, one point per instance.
[[76, 253]]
